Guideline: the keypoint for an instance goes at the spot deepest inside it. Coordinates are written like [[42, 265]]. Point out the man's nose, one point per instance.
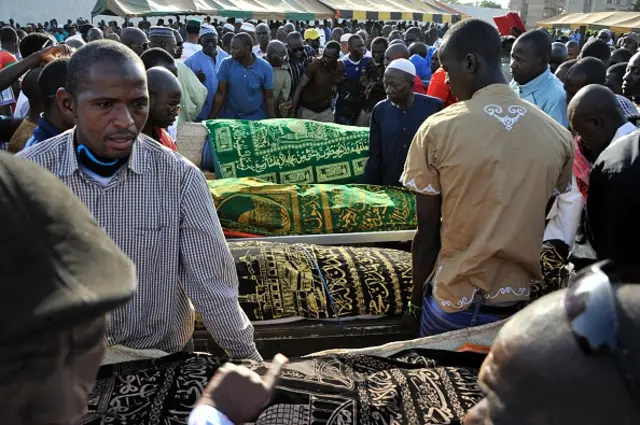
[[123, 117]]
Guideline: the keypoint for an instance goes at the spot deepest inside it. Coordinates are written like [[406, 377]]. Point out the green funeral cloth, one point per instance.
[[265, 208], [289, 151]]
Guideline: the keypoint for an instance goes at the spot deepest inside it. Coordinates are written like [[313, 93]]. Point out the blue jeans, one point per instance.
[[435, 321]]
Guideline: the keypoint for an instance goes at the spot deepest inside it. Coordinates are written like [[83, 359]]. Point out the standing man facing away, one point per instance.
[[245, 88], [153, 203], [532, 79], [394, 123], [475, 268], [191, 45]]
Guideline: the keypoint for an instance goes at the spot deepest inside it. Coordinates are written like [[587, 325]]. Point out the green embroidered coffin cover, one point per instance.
[[289, 151], [265, 208]]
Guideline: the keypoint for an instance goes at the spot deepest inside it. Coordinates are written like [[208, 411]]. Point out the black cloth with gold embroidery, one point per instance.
[[413, 387], [279, 280]]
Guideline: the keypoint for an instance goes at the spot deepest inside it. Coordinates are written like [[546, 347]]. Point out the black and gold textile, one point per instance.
[[553, 261], [279, 280], [413, 387]]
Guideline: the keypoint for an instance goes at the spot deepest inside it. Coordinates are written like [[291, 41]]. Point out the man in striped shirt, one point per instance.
[[152, 202]]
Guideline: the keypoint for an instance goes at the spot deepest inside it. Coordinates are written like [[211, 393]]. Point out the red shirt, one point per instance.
[[6, 59], [165, 139], [439, 88]]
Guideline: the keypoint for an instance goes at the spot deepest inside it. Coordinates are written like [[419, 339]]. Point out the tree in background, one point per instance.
[[492, 4]]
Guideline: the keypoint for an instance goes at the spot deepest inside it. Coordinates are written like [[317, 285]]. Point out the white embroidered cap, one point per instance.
[[248, 26], [228, 27], [404, 65], [345, 38]]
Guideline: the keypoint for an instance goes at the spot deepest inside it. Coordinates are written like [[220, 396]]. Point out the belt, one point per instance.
[[501, 311]]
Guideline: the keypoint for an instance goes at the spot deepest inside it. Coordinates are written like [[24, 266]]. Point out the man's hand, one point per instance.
[[52, 53], [285, 108], [241, 394], [201, 76]]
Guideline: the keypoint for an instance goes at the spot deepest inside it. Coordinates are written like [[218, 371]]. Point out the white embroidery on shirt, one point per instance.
[[514, 114], [464, 301], [429, 190]]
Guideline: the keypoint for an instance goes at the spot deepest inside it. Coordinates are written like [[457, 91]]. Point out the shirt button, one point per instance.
[[404, 129]]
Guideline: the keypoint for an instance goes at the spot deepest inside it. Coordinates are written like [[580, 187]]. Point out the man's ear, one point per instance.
[[471, 62], [66, 104]]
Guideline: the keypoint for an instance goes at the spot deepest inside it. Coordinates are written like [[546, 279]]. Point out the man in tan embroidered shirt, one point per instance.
[[483, 171]]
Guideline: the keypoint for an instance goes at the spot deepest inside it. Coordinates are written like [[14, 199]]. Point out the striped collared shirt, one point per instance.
[[159, 211], [296, 69]]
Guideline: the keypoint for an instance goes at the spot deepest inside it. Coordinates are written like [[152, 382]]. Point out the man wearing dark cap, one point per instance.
[[61, 274], [191, 45], [152, 202]]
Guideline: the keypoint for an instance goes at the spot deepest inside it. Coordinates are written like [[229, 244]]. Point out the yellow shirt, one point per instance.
[[495, 160]]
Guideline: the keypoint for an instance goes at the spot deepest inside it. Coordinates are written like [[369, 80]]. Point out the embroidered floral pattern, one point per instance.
[[429, 190], [514, 112]]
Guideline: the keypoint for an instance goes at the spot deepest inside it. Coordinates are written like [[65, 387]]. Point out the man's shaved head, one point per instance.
[[135, 39], [595, 115], [396, 51], [94, 34], [276, 47], [584, 72], [564, 67], [160, 78], [419, 49], [537, 373]]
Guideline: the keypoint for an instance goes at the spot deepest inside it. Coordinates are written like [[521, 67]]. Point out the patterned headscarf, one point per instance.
[[207, 29]]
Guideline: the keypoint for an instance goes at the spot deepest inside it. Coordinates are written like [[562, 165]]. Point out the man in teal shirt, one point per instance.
[[532, 79]]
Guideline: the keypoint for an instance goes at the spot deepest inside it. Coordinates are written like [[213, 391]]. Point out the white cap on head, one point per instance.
[[403, 65], [228, 27], [248, 26], [345, 38]]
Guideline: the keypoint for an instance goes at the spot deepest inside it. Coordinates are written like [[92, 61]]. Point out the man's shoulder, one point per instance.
[[164, 159], [52, 148], [426, 100], [621, 156]]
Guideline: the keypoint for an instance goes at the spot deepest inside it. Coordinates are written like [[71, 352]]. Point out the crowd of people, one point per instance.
[[503, 160]]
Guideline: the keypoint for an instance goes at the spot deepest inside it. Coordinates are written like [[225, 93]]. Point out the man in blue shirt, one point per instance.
[[205, 64], [351, 92], [245, 84], [532, 79], [52, 120], [394, 123]]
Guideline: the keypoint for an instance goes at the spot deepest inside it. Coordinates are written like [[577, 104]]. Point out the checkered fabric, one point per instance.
[[630, 110], [159, 211]]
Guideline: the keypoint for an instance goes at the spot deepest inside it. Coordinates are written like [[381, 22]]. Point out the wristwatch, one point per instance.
[[413, 309]]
